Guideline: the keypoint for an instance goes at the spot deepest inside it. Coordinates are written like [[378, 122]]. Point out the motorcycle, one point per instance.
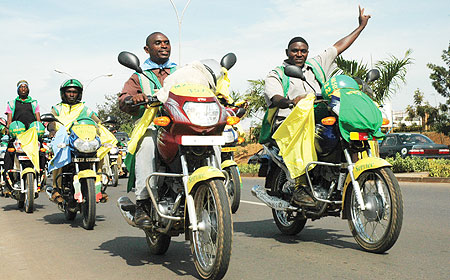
[[80, 185], [25, 178], [233, 181], [3, 147], [191, 196], [347, 181]]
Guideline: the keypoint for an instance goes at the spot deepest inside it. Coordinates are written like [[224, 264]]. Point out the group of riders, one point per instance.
[[280, 92]]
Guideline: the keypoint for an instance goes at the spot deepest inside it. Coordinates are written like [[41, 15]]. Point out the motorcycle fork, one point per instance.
[[189, 199], [356, 187]]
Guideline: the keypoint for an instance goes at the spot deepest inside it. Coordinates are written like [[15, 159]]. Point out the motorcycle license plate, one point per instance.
[[229, 149], [113, 156], [194, 140], [24, 158], [86, 159]]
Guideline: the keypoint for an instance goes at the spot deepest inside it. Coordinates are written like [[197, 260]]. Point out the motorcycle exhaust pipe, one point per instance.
[[272, 201], [127, 208], [49, 191]]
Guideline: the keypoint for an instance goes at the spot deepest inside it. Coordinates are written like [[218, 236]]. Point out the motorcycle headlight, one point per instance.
[[114, 151], [86, 146], [203, 114]]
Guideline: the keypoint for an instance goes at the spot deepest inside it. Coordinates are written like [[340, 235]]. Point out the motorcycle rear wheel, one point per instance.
[[211, 246], [234, 187], [115, 175], [158, 243], [29, 193], [88, 206], [377, 228], [287, 225]]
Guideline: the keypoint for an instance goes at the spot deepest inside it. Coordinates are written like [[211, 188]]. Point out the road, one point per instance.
[[43, 245]]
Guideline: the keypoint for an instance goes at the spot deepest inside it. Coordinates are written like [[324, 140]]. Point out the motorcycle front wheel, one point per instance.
[[211, 244], [89, 203], [29, 192], [289, 223], [115, 175], [377, 228], [234, 187]]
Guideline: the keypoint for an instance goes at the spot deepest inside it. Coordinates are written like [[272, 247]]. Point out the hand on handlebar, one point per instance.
[[140, 99]]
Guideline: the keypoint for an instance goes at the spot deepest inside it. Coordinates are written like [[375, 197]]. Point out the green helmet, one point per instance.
[[338, 82], [16, 128], [40, 128], [71, 83]]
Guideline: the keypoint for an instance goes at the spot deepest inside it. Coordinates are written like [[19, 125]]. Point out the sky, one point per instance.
[[83, 38]]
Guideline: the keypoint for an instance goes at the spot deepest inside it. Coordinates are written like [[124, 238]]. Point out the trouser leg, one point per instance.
[[145, 164]]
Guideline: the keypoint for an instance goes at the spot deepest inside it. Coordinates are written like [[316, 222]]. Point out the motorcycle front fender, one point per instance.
[[26, 171], [362, 165], [228, 163], [202, 174], [87, 173]]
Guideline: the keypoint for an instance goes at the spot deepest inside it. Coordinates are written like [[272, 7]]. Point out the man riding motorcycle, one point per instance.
[[67, 111], [24, 109], [158, 67], [282, 92]]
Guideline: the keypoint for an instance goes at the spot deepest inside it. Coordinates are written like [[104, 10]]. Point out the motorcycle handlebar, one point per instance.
[[151, 101]]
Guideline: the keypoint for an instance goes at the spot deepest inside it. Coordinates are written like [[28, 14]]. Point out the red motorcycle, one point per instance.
[[191, 196]]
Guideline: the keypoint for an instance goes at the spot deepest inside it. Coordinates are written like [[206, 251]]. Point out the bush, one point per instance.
[[435, 167], [439, 168], [245, 168]]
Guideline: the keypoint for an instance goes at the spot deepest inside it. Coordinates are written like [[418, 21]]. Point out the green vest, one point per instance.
[[148, 88], [269, 117]]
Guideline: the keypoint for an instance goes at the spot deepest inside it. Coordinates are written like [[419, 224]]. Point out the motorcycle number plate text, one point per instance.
[[86, 159], [193, 140], [24, 158]]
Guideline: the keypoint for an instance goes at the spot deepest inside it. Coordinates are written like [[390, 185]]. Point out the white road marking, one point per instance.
[[255, 203]]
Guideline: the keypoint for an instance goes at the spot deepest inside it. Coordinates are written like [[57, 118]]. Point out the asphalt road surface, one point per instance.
[[43, 245]]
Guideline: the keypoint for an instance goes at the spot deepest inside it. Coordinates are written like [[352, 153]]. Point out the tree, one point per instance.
[[441, 76], [393, 73], [428, 114], [255, 97], [111, 108]]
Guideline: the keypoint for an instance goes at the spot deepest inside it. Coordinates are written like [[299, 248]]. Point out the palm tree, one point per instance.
[[393, 73]]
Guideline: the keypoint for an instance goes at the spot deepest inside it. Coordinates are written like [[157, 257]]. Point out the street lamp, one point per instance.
[[89, 81], [62, 72], [93, 79]]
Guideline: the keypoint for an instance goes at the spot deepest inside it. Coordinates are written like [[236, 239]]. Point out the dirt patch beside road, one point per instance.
[[243, 153]]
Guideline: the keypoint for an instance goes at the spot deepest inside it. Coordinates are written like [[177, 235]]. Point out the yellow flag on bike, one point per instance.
[[223, 87], [30, 145], [295, 137], [136, 135], [106, 137]]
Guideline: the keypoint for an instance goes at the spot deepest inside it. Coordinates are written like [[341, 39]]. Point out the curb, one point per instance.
[[424, 179]]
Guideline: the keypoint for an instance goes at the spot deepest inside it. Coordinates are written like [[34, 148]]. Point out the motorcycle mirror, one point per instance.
[[240, 112], [294, 71], [129, 60], [48, 117], [372, 75], [228, 60]]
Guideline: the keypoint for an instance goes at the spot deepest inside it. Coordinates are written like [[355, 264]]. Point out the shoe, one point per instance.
[[56, 197], [104, 198], [141, 217], [302, 198]]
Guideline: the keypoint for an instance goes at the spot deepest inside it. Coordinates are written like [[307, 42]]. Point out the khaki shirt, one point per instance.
[[297, 87]]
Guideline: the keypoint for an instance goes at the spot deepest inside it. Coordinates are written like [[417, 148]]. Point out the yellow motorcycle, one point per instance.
[[75, 152], [346, 180], [191, 196]]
